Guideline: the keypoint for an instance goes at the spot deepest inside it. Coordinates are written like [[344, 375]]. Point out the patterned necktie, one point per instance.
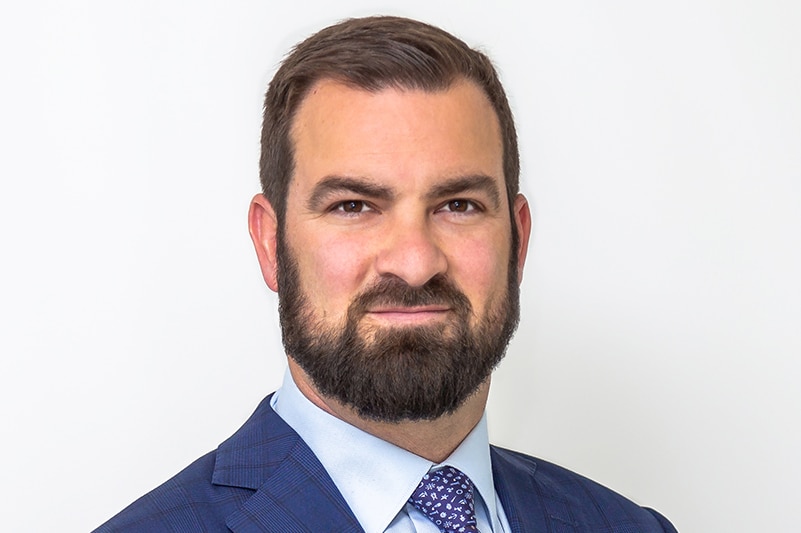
[[445, 496]]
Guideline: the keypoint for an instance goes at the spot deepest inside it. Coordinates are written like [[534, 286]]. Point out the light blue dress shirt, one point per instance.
[[360, 463]]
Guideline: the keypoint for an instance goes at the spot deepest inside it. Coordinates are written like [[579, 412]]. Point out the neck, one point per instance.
[[434, 439]]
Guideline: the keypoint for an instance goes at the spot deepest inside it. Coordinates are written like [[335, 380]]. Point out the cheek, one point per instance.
[[332, 270], [479, 266]]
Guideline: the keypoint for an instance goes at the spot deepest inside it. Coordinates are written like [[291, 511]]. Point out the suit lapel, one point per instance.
[[529, 507], [293, 490], [299, 496]]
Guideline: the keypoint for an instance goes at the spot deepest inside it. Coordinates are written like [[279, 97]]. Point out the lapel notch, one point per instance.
[[293, 490], [528, 505]]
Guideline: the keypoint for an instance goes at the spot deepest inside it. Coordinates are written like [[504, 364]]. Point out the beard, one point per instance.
[[391, 374]]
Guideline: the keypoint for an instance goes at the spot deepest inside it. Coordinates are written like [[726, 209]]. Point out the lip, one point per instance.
[[409, 315]]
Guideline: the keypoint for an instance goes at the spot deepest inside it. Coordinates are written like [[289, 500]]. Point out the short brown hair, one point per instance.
[[374, 53]]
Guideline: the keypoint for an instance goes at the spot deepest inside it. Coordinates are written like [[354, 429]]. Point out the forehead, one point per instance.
[[398, 133]]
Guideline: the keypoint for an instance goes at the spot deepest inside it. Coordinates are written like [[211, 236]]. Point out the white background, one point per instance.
[[659, 350]]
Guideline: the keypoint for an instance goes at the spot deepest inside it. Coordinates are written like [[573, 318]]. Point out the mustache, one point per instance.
[[392, 291]]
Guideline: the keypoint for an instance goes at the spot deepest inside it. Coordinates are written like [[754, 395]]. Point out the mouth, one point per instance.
[[399, 315]]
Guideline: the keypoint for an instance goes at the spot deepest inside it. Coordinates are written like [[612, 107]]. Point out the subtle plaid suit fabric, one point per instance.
[[265, 478]]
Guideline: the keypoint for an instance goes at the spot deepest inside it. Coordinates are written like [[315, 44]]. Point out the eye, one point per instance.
[[460, 205], [351, 207]]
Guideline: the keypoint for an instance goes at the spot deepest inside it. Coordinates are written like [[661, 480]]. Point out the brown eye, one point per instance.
[[353, 206], [458, 206]]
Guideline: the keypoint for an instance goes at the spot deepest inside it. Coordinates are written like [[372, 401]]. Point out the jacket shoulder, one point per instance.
[[538, 492], [186, 502], [205, 493]]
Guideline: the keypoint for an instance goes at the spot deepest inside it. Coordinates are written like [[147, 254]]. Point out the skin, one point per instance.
[[404, 183]]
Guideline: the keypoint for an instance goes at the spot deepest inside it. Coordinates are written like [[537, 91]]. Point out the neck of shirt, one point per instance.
[[358, 462]]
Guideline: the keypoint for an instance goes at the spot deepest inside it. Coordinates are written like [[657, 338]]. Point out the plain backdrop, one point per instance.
[[659, 350]]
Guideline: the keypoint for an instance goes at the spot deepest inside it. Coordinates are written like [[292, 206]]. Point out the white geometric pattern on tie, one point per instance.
[[445, 496]]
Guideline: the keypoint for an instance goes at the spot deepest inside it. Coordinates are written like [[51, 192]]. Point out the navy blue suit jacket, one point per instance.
[[265, 478]]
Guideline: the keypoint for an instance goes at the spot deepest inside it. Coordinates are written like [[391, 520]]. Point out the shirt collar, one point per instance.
[[355, 459]]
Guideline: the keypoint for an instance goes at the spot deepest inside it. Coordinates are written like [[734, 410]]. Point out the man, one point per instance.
[[392, 228]]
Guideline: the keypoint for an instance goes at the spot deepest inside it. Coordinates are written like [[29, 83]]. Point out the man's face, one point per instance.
[[396, 277]]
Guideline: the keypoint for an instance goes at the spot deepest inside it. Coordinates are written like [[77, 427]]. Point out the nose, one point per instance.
[[411, 252]]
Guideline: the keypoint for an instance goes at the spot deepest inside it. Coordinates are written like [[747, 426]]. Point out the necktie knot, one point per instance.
[[445, 496]]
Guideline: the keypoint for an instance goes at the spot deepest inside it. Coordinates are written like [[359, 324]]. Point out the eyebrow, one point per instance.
[[338, 184], [462, 184], [331, 185]]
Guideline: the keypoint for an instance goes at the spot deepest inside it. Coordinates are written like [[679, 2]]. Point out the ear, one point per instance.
[[522, 215], [263, 228]]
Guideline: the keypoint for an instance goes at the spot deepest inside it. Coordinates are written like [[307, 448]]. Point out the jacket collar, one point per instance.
[[293, 490], [529, 504]]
